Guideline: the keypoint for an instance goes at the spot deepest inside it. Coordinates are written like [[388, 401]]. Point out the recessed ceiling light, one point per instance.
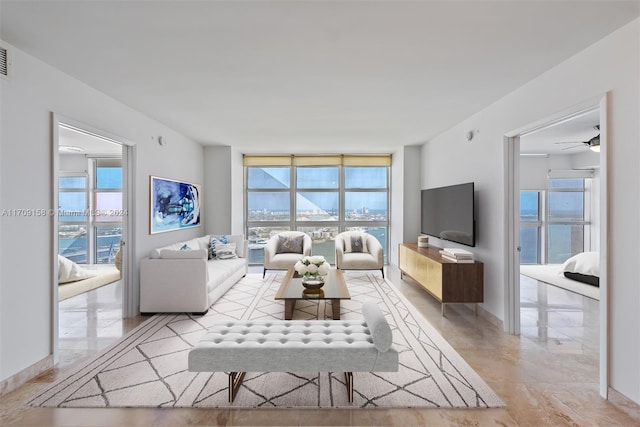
[[69, 149]]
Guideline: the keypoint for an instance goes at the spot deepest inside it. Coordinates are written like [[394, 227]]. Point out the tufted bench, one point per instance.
[[345, 346]]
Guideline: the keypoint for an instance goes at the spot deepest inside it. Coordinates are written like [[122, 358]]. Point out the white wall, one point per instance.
[[609, 65], [396, 209], [411, 194], [73, 163], [28, 98], [217, 197], [533, 173], [237, 192], [224, 198]]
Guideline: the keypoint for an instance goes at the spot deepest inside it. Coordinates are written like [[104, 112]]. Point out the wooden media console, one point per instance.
[[447, 281]]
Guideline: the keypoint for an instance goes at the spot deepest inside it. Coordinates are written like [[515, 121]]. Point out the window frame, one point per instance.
[[539, 224], [82, 223], [94, 220], [341, 224], [586, 212], [544, 221]]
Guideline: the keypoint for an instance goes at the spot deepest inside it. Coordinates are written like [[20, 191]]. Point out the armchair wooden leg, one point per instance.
[[382, 271], [264, 271]]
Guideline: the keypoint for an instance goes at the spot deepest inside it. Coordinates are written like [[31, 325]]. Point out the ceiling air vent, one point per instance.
[[4, 62]]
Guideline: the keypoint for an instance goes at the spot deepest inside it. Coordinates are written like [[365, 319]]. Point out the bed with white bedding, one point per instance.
[[583, 266], [74, 279]]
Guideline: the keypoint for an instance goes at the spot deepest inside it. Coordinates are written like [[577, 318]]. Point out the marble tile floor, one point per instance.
[[546, 376]]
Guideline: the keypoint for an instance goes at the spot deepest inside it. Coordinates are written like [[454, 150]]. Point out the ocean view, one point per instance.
[[75, 248]]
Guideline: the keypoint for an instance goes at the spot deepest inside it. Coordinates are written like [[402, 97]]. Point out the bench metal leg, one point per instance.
[[235, 379], [348, 377]]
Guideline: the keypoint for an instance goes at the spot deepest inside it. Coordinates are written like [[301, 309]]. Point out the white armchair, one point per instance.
[[350, 257], [284, 249]]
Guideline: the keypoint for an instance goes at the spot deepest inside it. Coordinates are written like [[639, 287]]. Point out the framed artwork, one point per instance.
[[173, 205]]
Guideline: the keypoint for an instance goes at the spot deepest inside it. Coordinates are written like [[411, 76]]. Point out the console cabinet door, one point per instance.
[[433, 279], [426, 272]]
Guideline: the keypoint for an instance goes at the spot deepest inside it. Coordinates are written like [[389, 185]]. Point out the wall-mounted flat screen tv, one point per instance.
[[448, 213]]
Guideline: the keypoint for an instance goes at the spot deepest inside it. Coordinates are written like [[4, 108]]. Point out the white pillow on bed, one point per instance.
[[69, 271], [587, 263]]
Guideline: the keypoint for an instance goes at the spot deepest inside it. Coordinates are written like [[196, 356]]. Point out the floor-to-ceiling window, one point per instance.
[[567, 218], [107, 215], [73, 200], [531, 226], [554, 223], [319, 195], [90, 211]]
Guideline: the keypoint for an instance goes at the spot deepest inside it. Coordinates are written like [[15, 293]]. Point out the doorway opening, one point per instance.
[[90, 189], [557, 215]]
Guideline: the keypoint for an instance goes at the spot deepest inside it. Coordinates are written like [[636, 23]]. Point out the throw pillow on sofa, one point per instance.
[[226, 251], [290, 245], [355, 241], [214, 243]]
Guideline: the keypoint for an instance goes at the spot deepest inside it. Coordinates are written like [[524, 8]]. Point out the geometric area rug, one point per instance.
[[148, 367]]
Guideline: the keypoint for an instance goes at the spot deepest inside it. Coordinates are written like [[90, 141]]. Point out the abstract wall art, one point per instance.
[[174, 205]]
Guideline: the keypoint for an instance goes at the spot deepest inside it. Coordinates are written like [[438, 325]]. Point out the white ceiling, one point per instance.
[[86, 144], [564, 137], [330, 76]]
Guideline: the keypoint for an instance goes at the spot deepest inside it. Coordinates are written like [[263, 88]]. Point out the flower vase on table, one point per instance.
[[313, 270]]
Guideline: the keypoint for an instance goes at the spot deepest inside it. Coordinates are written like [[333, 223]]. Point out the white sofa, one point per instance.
[[185, 281]]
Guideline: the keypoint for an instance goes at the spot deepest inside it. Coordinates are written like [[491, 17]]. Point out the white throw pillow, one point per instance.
[[587, 263], [193, 244], [69, 271], [203, 242], [226, 251]]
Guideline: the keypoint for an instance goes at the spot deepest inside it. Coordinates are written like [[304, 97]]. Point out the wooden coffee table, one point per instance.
[[291, 290]]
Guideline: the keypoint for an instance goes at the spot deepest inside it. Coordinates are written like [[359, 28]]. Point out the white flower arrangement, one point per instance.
[[312, 266]]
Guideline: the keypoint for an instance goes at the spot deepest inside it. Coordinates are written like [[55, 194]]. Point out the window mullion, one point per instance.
[[293, 191]]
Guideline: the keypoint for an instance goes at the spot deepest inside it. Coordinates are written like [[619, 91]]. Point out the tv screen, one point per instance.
[[448, 213]]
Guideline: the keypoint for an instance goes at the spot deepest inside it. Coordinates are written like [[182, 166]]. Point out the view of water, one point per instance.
[[75, 248], [563, 242]]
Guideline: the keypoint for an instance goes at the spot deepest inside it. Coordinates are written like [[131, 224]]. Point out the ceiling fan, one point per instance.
[[593, 143]]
